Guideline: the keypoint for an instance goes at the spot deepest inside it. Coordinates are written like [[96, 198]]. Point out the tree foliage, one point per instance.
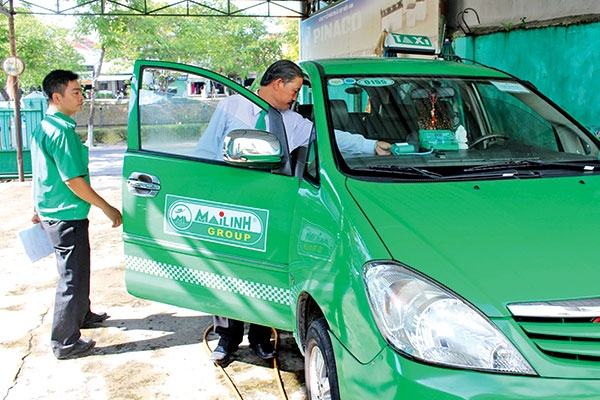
[[237, 47], [42, 48], [289, 38]]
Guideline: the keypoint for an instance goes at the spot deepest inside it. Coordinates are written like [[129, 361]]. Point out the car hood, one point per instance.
[[493, 242]]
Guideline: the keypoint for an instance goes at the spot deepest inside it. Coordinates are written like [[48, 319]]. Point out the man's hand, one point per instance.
[[114, 215], [84, 191], [36, 218], [383, 148]]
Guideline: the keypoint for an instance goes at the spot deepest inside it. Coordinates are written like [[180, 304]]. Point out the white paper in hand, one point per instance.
[[35, 242]]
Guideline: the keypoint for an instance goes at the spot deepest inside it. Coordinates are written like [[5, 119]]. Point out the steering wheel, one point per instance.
[[487, 138]]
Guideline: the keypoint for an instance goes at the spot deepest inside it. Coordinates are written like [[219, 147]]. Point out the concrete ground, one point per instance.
[[145, 350]]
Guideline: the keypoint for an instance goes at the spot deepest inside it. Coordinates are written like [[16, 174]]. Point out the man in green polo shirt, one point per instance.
[[62, 197]]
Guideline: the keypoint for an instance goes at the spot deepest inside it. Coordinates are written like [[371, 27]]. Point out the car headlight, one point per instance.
[[424, 320]]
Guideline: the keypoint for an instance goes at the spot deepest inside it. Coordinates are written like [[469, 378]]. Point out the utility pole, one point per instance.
[[14, 66]]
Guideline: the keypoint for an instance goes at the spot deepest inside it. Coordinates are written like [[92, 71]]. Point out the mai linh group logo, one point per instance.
[[180, 216], [227, 224]]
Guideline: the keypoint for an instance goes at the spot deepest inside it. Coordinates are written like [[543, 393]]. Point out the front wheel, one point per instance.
[[319, 363]]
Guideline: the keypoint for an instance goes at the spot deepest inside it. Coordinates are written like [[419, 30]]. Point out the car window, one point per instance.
[[438, 122], [175, 109], [505, 114], [309, 160]]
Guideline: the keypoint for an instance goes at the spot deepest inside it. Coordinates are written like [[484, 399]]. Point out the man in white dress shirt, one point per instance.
[[279, 87]]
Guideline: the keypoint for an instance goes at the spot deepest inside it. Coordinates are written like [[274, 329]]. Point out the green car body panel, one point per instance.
[[301, 243]]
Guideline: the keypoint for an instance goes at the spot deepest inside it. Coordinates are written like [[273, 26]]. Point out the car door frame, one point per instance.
[[264, 300]]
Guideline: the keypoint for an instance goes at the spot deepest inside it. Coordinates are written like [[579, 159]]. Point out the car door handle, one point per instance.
[[144, 185]]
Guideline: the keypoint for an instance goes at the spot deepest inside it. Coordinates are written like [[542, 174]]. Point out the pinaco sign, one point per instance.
[[354, 27]]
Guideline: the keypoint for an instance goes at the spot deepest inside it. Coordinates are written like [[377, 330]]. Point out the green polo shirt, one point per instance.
[[58, 155]]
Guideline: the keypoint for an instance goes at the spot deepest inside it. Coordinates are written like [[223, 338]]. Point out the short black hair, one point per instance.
[[57, 81], [284, 69]]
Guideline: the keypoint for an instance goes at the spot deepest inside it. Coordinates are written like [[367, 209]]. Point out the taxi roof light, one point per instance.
[[399, 43]]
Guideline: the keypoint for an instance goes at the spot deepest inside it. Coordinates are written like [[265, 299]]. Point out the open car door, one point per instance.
[[200, 233]]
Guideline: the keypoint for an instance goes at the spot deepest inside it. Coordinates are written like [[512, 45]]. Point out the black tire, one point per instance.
[[319, 364]]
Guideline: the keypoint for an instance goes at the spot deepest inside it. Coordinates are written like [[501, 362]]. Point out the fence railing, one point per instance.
[[32, 112]]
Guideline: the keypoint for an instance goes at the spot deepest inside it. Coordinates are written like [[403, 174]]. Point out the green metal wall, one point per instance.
[[32, 111], [559, 60]]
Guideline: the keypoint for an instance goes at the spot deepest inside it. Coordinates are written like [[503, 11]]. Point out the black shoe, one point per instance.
[[264, 350], [220, 356], [92, 320], [80, 347]]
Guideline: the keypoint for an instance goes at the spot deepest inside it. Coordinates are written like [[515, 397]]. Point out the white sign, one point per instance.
[[13, 66]]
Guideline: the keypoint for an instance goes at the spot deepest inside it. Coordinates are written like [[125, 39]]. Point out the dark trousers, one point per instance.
[[72, 302], [232, 336]]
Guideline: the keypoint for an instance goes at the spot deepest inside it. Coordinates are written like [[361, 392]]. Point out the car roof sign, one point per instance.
[[396, 43]]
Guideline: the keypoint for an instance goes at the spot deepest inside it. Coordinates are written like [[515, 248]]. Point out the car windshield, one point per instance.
[[442, 127]]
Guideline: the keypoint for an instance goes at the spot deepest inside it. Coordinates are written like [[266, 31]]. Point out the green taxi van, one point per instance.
[[461, 266]]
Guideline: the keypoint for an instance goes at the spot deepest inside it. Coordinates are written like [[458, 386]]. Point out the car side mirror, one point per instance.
[[253, 149]]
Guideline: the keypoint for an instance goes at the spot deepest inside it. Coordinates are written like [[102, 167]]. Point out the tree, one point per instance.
[[42, 48], [289, 38], [110, 29], [234, 46], [238, 47]]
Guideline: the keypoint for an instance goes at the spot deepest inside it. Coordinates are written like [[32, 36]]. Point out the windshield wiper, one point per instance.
[[528, 163], [410, 171], [424, 173], [517, 169]]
